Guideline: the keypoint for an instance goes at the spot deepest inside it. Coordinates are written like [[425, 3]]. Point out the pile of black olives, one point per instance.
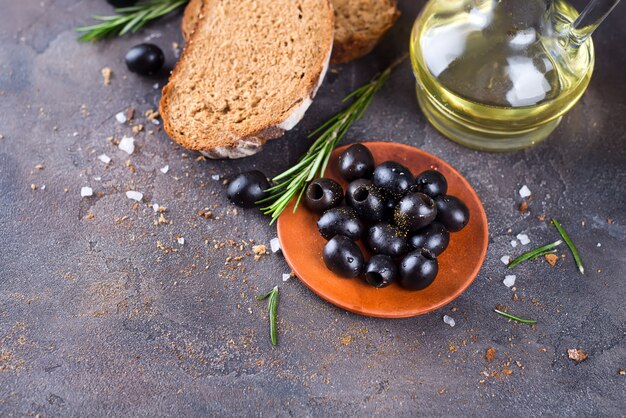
[[404, 221]]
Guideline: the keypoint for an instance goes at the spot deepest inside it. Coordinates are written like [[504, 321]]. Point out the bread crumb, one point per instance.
[[490, 354], [106, 75], [346, 340], [507, 371], [523, 207], [621, 372], [33, 186], [576, 354], [259, 249], [552, 259], [90, 216], [39, 166]]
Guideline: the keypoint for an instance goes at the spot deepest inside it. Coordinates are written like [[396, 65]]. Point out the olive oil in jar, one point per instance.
[[498, 75]]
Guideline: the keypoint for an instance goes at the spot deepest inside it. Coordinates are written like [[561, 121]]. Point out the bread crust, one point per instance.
[[232, 145]]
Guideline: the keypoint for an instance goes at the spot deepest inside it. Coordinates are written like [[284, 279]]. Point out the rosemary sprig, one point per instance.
[[515, 318], [128, 19], [293, 181], [532, 254], [272, 306], [570, 244]]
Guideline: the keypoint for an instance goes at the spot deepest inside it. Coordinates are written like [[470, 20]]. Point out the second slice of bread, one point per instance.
[[359, 25], [248, 73]]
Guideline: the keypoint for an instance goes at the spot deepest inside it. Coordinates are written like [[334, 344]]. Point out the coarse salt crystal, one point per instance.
[[505, 259], [165, 169], [86, 191], [104, 158], [513, 243], [523, 239], [155, 86], [127, 144], [155, 207], [599, 245], [524, 191], [286, 276], [155, 121], [181, 240], [274, 245], [449, 320], [215, 177], [43, 187], [120, 117], [131, 194], [509, 281]]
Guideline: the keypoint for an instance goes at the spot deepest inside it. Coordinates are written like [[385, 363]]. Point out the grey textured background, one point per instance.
[[95, 319]]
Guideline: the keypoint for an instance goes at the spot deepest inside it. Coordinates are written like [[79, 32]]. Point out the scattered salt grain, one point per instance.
[[104, 158], [155, 121], [523, 239], [97, 178], [120, 117], [274, 245], [449, 320], [181, 240], [215, 177], [509, 281], [155, 207], [43, 187], [599, 245], [524, 191], [286, 276], [155, 86], [513, 243], [131, 194], [86, 191], [505, 259], [127, 144], [165, 169]]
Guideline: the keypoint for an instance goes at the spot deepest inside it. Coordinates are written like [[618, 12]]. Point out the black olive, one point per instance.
[[343, 257], [122, 3], [340, 221], [418, 269], [452, 212], [393, 179], [390, 208], [323, 194], [432, 183], [145, 59], [434, 238], [366, 200], [386, 239], [248, 188], [356, 162], [414, 211], [380, 271]]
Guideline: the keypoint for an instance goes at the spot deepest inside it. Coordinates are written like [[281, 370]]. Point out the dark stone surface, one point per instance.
[[95, 319]]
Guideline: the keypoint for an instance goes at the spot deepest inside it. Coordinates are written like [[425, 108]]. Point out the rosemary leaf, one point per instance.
[[570, 244], [272, 308], [313, 163], [128, 19], [541, 254], [532, 254], [515, 318]]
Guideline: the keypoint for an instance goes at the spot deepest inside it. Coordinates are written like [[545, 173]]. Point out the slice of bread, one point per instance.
[[359, 25], [248, 73]]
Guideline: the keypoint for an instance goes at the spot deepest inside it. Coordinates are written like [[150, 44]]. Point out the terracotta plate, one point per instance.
[[458, 266]]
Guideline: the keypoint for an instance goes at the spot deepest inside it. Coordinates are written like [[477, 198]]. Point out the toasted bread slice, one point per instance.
[[248, 73], [359, 25]]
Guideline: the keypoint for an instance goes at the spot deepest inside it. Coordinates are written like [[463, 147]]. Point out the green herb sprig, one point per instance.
[[532, 254], [272, 307], [515, 318], [128, 19], [570, 244], [293, 182]]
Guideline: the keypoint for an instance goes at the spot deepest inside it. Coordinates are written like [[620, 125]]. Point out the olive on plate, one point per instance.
[[248, 188], [343, 257], [432, 183], [452, 212], [414, 211], [386, 239], [418, 269], [380, 271], [434, 238], [356, 162], [393, 179], [366, 200], [340, 221], [145, 59], [323, 194]]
